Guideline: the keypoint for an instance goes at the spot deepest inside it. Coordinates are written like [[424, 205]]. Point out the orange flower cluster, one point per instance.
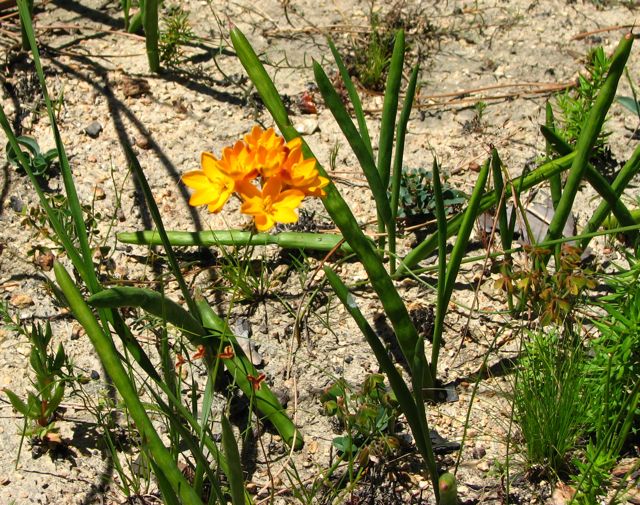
[[271, 178]]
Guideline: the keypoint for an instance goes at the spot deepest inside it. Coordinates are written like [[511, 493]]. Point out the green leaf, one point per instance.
[[629, 103], [235, 476], [16, 402]]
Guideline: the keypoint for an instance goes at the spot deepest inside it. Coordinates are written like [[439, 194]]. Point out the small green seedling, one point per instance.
[[575, 104], [41, 163], [368, 416], [547, 294], [175, 34], [41, 405]]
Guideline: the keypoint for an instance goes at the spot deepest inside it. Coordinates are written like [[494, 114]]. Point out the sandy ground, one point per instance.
[[506, 54]]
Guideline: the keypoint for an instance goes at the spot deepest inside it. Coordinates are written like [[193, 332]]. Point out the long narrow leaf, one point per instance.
[[459, 249], [555, 182], [597, 181], [286, 240], [390, 108], [430, 244], [376, 183], [157, 220], [335, 205], [622, 180], [396, 176], [441, 304], [236, 479], [590, 131], [151, 301], [72, 196], [398, 385], [150, 20], [241, 368], [353, 96]]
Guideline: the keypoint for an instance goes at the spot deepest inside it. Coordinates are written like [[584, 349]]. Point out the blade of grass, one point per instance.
[[353, 96], [335, 205], [113, 366], [459, 249], [236, 479], [396, 176], [588, 136], [555, 181]]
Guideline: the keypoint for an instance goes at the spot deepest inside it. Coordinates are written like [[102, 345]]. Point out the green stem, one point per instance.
[[150, 21], [286, 240], [336, 207]]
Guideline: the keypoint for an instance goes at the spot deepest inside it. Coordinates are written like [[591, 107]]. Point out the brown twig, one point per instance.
[[542, 90], [584, 35], [316, 30]]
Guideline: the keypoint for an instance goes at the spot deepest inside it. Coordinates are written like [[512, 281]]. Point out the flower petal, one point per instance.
[[196, 179]]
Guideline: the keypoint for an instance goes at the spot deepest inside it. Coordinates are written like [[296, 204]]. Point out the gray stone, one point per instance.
[[93, 129]]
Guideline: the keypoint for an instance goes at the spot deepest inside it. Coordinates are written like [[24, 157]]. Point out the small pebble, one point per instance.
[[483, 466], [21, 300], [98, 193], [77, 331], [143, 142], [16, 204], [93, 129], [479, 452], [44, 260]]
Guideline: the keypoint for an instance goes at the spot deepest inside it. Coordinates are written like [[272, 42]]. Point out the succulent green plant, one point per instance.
[[40, 163], [417, 196]]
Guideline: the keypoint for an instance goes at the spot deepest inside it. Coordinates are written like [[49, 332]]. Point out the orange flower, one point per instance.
[[270, 205], [213, 187], [284, 176], [238, 162], [266, 139], [269, 151], [180, 361], [227, 353], [302, 174], [256, 381], [199, 354]]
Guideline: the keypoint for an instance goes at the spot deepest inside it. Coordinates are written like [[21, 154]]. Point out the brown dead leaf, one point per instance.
[[133, 87], [562, 494]]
